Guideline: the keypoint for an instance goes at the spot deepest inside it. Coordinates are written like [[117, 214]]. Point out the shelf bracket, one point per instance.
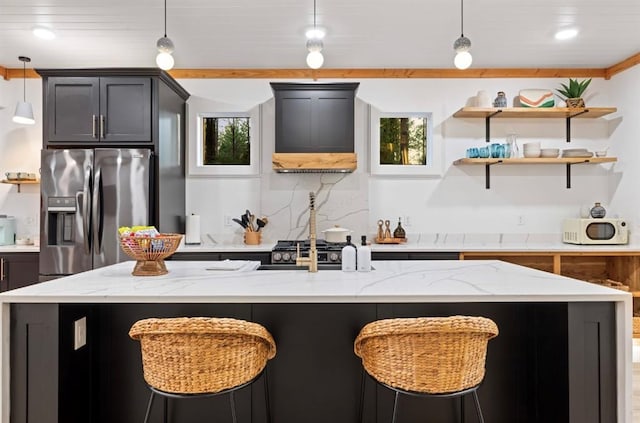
[[487, 124], [569, 123], [569, 171], [487, 173]]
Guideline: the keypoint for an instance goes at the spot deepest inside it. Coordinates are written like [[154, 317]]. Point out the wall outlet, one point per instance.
[[520, 220], [228, 221], [79, 333]]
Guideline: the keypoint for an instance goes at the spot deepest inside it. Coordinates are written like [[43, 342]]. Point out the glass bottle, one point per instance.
[[597, 211], [399, 231], [501, 100], [513, 145]]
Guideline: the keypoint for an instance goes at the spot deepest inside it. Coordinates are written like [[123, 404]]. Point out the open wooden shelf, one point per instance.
[[567, 161], [536, 160], [19, 182], [568, 114], [529, 113]]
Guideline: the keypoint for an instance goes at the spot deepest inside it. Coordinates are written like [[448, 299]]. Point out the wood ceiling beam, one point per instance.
[[11, 73], [386, 73], [622, 66], [366, 73]]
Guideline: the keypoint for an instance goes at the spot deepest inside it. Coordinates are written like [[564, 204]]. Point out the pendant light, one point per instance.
[[24, 111], [165, 46], [462, 45], [314, 44]]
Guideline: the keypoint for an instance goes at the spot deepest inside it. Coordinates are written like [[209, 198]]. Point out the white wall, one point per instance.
[[455, 203], [20, 152], [625, 144], [522, 199]]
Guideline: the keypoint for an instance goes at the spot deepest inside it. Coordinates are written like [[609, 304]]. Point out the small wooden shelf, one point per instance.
[[536, 160], [568, 161], [19, 182], [532, 113], [568, 114]]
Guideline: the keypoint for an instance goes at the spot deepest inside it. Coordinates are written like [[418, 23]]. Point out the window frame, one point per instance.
[[433, 166], [198, 168]]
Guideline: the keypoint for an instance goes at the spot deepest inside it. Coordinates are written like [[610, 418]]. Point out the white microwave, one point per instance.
[[595, 231]]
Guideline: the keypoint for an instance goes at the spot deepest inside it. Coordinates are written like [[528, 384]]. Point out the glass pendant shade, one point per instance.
[[165, 45], [24, 113], [462, 60], [315, 59], [165, 61]]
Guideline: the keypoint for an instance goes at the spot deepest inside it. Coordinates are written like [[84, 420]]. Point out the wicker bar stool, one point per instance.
[[188, 357], [426, 356]]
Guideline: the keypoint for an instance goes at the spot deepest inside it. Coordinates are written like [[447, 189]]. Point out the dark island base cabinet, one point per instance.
[[18, 270], [263, 257], [98, 109], [552, 362]]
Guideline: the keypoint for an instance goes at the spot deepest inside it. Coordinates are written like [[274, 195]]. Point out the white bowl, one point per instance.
[[549, 152], [531, 153]]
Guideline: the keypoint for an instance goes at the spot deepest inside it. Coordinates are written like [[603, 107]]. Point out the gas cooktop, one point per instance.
[[284, 252]]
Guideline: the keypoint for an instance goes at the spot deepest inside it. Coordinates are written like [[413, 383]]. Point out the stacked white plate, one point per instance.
[[531, 149], [576, 153]]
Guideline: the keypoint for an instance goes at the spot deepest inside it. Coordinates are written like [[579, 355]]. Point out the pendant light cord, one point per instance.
[[314, 14], [461, 18], [24, 82], [165, 18]]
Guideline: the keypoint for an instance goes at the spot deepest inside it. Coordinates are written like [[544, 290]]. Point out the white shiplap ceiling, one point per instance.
[[360, 33]]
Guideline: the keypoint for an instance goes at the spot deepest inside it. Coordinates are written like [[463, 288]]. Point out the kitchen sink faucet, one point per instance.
[[312, 260]]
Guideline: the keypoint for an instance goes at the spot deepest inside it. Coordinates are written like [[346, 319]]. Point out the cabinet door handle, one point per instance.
[[93, 127], [102, 125], [1, 269]]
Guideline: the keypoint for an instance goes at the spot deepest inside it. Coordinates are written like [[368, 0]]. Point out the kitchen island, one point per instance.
[[563, 353]]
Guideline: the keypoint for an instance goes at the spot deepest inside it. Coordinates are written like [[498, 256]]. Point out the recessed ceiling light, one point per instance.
[[44, 33], [566, 34]]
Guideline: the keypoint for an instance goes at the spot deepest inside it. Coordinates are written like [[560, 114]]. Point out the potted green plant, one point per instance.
[[573, 92]]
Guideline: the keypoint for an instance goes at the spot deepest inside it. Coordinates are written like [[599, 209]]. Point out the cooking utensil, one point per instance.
[[261, 222], [240, 222], [252, 218], [247, 219]]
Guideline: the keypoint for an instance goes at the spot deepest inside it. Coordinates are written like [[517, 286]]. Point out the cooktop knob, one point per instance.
[[277, 257], [286, 256], [293, 256], [334, 257]]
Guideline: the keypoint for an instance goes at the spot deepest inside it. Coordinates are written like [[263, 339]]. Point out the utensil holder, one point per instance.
[[252, 238]]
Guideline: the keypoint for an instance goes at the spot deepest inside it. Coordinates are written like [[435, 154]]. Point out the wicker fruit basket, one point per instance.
[[150, 253]]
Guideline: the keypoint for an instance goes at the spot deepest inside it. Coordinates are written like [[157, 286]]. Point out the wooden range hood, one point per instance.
[[314, 127]]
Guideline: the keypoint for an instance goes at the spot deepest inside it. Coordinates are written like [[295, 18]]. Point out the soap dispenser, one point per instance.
[[349, 256], [364, 256]]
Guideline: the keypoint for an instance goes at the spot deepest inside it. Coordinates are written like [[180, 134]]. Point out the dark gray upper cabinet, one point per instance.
[[111, 109], [115, 106], [314, 118]]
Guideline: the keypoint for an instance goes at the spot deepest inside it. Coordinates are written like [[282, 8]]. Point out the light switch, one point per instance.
[[79, 333]]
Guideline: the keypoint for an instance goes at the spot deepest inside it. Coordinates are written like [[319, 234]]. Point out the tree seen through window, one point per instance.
[[226, 141]]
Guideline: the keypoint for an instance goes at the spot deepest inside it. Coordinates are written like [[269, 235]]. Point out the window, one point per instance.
[[402, 144], [222, 143], [226, 141]]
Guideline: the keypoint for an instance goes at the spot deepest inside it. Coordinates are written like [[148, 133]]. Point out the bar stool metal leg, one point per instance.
[[149, 404], [266, 394], [395, 407], [234, 419], [478, 410]]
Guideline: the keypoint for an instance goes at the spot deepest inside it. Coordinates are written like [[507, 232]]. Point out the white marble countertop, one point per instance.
[[445, 242], [19, 249], [391, 281]]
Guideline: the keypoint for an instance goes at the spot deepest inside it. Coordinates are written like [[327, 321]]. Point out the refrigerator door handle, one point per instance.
[[82, 197], [97, 211]]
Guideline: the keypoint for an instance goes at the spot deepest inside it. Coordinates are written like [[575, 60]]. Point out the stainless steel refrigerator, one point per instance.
[[86, 195]]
